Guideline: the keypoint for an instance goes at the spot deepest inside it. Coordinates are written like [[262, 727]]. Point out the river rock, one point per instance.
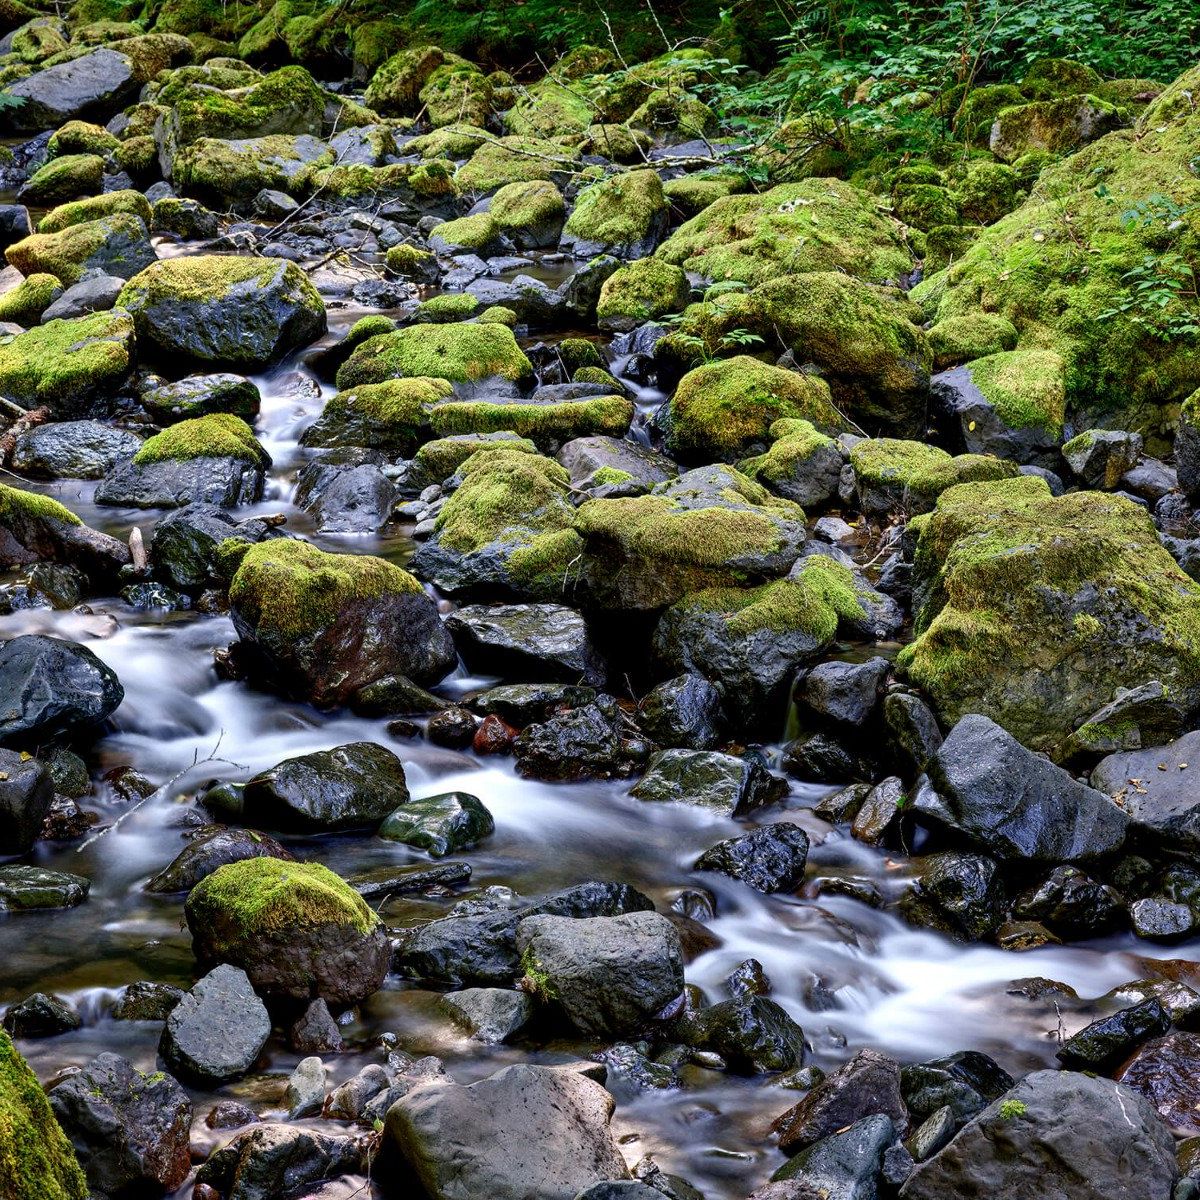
[[1057, 1133], [268, 1161], [1166, 1072], [92, 86], [1071, 904], [146, 1000], [315, 1031], [684, 713], [214, 1034], [73, 449], [345, 494], [491, 1138], [93, 293], [26, 794], [131, 1131], [198, 395], [588, 742], [843, 1166], [1016, 805], [751, 1034], [213, 847], [1107, 1042], [535, 642], [770, 859], [845, 693], [36, 529], [490, 1015], [305, 1091], [609, 975], [226, 482], [296, 929], [185, 541], [26, 889], [722, 782], [53, 688], [964, 891], [41, 1015], [439, 824]]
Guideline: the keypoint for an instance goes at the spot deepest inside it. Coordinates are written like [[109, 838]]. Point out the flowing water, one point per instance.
[[852, 975]]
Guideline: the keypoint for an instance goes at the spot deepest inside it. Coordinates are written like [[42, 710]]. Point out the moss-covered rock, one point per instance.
[[813, 225], [463, 354], [513, 160], [217, 435], [227, 172], [326, 625], [474, 235], [456, 141], [117, 245], [722, 411], [428, 185], [296, 929], [642, 290], [224, 311], [899, 477], [457, 92], [1050, 78], [71, 367], [381, 416], [802, 463], [395, 88], [1057, 126], [64, 178], [183, 217], [589, 410], [617, 142], [25, 303], [670, 116], [974, 335], [925, 205], [94, 207], [447, 308], [530, 215], [625, 215], [441, 457], [987, 192], [977, 112], [692, 194], [551, 108], [1033, 610], [36, 1159], [507, 530], [411, 262], [81, 137]]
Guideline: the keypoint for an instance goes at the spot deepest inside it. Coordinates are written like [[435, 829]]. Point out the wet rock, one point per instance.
[[621, 1189], [1057, 1133], [54, 688], [93, 293], [845, 693], [538, 642], [452, 727], [877, 822], [441, 824], [489, 1015], [296, 929], [214, 1034], [684, 713], [1160, 920], [1098, 458], [41, 1015], [585, 743], [347, 1101], [26, 794], [963, 890], [932, 1135], [93, 85], [490, 1139], [315, 1031], [751, 1033], [1181, 1002], [40, 530], [843, 1166], [226, 482], [28, 889], [827, 758], [185, 543], [130, 1130], [269, 1160], [966, 1083], [1072, 904], [212, 848], [867, 1085], [1138, 717], [73, 450], [386, 881], [522, 704], [493, 736], [345, 496], [1015, 804], [748, 979], [145, 1000], [912, 728], [198, 395], [349, 787], [1166, 1072], [609, 975], [770, 859], [722, 782], [627, 1071], [305, 1091], [607, 466], [1107, 1042]]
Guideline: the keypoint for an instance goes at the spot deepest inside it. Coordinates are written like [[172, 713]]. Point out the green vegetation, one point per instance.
[[461, 353], [18, 505], [217, 435]]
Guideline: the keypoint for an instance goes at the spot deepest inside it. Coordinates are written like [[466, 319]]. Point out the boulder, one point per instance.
[[1104, 1044], [587, 742], [537, 642], [116, 245], [1164, 1072], [29, 889], [770, 859], [92, 86], [270, 1160], [489, 1015], [750, 1033], [26, 794], [441, 824], [684, 713], [185, 543], [723, 782], [73, 450], [41, 1016], [843, 1166]]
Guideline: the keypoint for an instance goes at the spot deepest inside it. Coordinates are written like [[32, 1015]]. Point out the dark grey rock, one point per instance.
[[751, 1033], [95, 293], [966, 1083], [586, 743], [1105, 1043], [315, 1031], [845, 1165], [185, 541], [770, 859], [199, 395], [227, 482], [965, 892], [684, 713], [41, 1015], [706, 778], [345, 497], [26, 794], [489, 1015], [213, 847], [28, 889], [440, 824], [844, 693], [913, 730], [1071, 904], [145, 1000], [90, 87], [269, 1160], [73, 449]]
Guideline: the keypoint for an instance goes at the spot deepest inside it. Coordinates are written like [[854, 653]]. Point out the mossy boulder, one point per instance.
[[36, 1159], [441, 457], [802, 463], [813, 225], [217, 435], [325, 626], [624, 215], [977, 112], [551, 109], [457, 92], [380, 416], [299, 931], [671, 116], [988, 191], [117, 245], [711, 527], [456, 141], [473, 235], [898, 477], [72, 367], [925, 205], [411, 262], [692, 194], [25, 303], [507, 530], [958, 340], [1056, 126], [640, 291], [395, 88], [428, 187], [65, 178], [722, 411], [618, 143], [81, 137], [231, 172], [221, 311], [530, 215], [95, 207], [184, 218], [463, 354], [571, 411], [500, 161], [1050, 78], [447, 308], [1033, 610]]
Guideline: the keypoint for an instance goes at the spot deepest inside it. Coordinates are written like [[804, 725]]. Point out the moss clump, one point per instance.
[[357, 181], [80, 137], [457, 91], [610, 476], [119, 245], [1003, 571], [29, 299], [988, 191], [1056, 126], [138, 157], [380, 416], [512, 160], [675, 115], [692, 194], [813, 225], [576, 352], [263, 896], [618, 143], [551, 109], [925, 205], [442, 457], [894, 475], [1025, 387], [1050, 78], [642, 291], [547, 424], [975, 335], [621, 211], [395, 88], [285, 99], [720, 410], [409, 261], [459, 353], [64, 179], [217, 435], [498, 314], [439, 310], [291, 589], [529, 211], [218, 170], [36, 1159], [978, 111], [795, 443], [94, 208], [18, 505], [477, 233], [456, 140]]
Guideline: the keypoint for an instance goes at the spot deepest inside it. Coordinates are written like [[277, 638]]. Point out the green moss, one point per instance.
[[116, 243], [896, 475], [63, 363], [551, 109], [501, 161], [457, 92], [291, 589], [1011, 1109], [383, 416], [813, 225], [442, 457], [925, 206], [476, 233], [619, 211], [598, 375], [36, 1159], [138, 156], [605, 476], [721, 409], [536, 979], [643, 291], [460, 353], [977, 112], [80, 137], [263, 896], [576, 352], [64, 179], [356, 181], [1050, 78], [692, 194], [405, 260], [95, 207], [25, 303], [223, 171], [456, 140], [395, 88], [527, 206], [544, 423], [498, 314], [1025, 387], [618, 143], [796, 441], [195, 279], [1056, 126], [460, 306], [988, 191], [975, 335], [217, 435], [670, 111], [17, 505]]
